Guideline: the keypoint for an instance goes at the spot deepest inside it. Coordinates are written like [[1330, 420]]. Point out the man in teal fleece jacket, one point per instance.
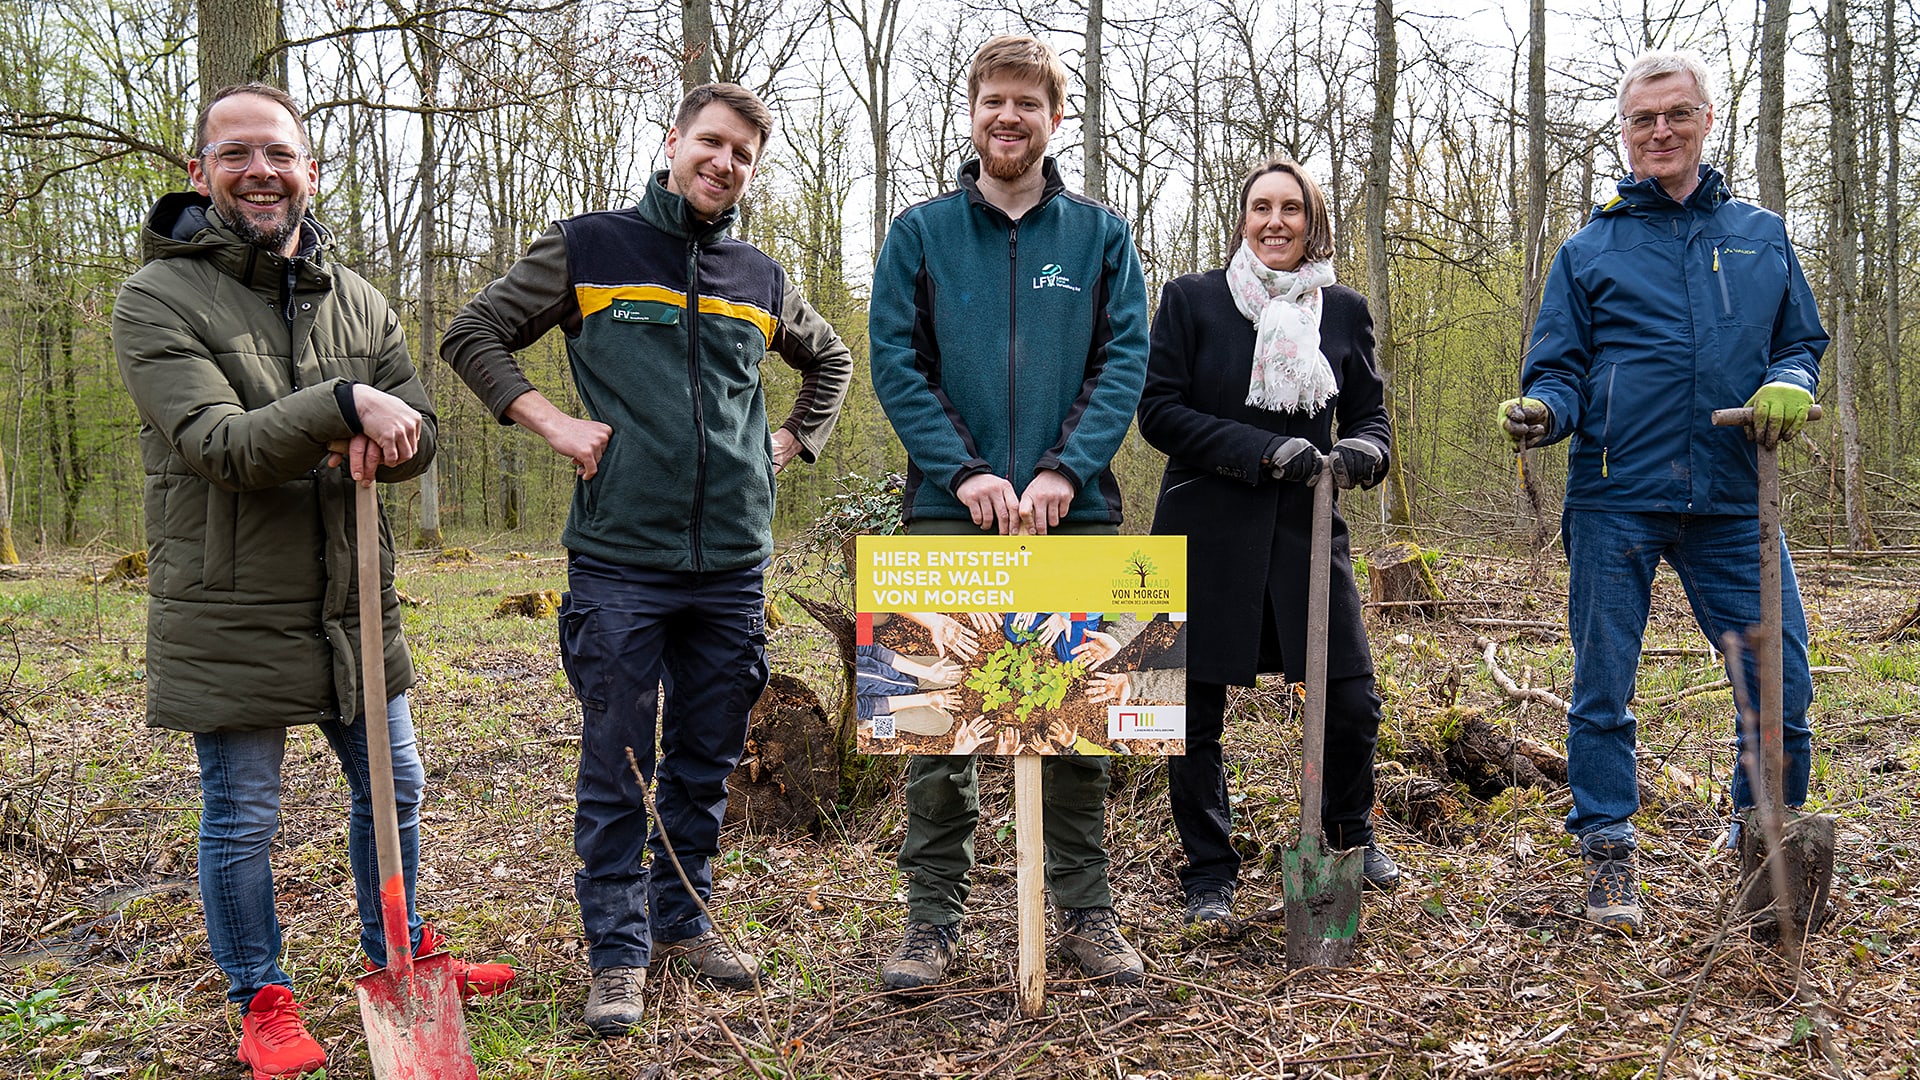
[[1009, 343]]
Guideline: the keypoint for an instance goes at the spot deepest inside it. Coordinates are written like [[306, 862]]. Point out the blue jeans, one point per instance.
[[240, 814], [624, 632], [1612, 557]]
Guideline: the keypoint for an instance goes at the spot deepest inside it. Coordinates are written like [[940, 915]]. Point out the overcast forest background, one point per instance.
[[1458, 147]]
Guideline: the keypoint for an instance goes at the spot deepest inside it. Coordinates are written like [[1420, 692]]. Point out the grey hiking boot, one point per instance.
[[614, 1006], [923, 957], [708, 956], [1209, 904], [1091, 937], [1613, 894]]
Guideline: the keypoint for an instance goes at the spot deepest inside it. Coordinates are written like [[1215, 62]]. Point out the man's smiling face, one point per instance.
[[263, 204]]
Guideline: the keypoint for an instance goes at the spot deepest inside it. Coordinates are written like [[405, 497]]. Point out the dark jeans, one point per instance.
[[1197, 782], [240, 814], [1612, 557], [624, 631]]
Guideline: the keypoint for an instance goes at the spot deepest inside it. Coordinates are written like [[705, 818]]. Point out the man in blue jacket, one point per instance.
[[1009, 345], [1675, 299]]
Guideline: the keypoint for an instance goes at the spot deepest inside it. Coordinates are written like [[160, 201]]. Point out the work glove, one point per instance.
[[1357, 463], [1296, 460], [1779, 411], [1523, 422]]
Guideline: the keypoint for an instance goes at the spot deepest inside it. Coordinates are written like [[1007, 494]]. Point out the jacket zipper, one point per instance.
[[1606, 423], [1013, 306], [693, 383], [1726, 298]]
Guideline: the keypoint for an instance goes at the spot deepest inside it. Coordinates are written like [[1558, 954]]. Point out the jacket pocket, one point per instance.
[[222, 520]]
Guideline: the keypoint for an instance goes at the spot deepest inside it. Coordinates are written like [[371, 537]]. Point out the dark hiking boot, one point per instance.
[[1091, 937], [710, 958], [924, 957], [1613, 894], [1377, 869], [1210, 905], [614, 1006]]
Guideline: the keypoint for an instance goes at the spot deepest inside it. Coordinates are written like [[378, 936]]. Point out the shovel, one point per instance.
[[411, 1007], [1804, 841], [1322, 887]]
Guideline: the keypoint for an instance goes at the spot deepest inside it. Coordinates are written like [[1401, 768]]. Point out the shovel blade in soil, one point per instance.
[[415, 1028], [1322, 903], [1807, 845]]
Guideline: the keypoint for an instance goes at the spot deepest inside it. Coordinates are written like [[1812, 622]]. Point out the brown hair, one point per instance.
[[734, 96], [1318, 245], [257, 89], [1022, 57]]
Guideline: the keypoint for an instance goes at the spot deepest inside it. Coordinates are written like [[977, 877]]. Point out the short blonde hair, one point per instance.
[[1022, 57]]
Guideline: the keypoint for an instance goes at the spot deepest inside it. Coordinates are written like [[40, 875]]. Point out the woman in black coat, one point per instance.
[[1254, 369]]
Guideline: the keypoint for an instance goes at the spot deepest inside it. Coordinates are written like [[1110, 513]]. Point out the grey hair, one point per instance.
[[1653, 65]]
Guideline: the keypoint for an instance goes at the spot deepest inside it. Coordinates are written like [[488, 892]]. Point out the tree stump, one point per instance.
[[1400, 582], [790, 774]]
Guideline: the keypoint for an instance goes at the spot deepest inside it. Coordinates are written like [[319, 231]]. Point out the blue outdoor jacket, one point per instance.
[[1654, 315], [1009, 347]]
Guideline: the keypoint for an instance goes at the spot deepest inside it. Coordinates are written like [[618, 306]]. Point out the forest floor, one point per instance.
[[1480, 965]]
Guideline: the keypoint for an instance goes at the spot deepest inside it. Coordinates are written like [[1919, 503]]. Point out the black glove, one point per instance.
[[1357, 463], [1294, 459]]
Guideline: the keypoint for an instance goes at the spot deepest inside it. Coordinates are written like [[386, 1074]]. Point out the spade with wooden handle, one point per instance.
[[1806, 841], [411, 1007], [1321, 887]]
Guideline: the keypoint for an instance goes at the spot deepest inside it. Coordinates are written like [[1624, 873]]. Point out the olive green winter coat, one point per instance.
[[232, 355]]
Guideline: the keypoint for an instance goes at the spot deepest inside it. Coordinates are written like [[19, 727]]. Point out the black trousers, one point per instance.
[[1197, 782]]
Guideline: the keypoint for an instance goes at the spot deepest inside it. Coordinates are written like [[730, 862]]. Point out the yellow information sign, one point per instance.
[[1021, 644]]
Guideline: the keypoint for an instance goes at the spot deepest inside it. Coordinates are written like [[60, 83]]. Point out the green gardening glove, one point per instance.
[[1523, 422], [1779, 411]]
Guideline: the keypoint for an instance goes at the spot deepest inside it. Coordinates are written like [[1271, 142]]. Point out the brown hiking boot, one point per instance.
[[923, 957], [614, 1006], [1091, 937], [709, 957]]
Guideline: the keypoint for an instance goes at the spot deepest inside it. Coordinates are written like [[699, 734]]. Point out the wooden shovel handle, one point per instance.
[[1744, 417], [1313, 749], [373, 684]]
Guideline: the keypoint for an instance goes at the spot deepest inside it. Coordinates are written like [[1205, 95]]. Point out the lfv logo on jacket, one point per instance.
[[1053, 277]]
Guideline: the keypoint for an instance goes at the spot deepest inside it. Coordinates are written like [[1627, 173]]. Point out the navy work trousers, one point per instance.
[[625, 632]]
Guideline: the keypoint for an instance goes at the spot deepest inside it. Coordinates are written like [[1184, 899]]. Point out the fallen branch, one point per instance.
[[1721, 684], [1514, 690]]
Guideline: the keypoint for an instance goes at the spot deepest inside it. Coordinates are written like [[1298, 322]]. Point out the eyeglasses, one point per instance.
[[1684, 116], [234, 155]]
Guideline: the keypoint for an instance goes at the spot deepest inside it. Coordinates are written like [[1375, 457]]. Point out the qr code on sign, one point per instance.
[[883, 727]]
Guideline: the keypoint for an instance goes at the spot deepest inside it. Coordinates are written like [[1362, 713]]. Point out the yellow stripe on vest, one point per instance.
[[760, 317], [595, 298]]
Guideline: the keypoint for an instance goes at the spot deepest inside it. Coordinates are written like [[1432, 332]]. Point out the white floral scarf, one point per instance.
[[1290, 373]]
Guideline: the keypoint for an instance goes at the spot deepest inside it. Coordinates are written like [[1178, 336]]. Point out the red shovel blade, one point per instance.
[[415, 1027]]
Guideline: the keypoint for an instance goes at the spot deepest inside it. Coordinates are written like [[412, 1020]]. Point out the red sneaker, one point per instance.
[[475, 980], [272, 1038]]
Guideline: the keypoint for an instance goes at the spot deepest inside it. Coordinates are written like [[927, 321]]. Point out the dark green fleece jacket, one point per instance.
[[1009, 347]]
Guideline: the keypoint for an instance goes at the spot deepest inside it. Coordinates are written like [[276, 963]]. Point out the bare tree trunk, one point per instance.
[[1094, 123], [428, 366], [1890, 243], [878, 25], [240, 41], [1379, 298], [1844, 228], [8, 553], [696, 42], [1536, 157], [1773, 107]]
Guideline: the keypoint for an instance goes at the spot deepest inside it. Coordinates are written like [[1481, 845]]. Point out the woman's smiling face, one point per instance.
[[1275, 225]]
